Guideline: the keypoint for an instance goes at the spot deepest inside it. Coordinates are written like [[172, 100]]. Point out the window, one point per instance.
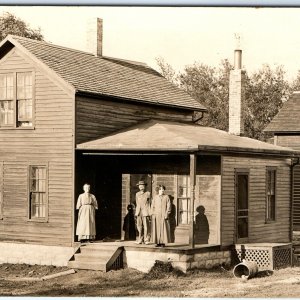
[[184, 200], [6, 100], [16, 99], [38, 192], [242, 204], [271, 194], [24, 99]]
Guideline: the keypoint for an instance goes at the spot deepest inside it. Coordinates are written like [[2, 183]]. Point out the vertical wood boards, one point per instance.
[[259, 230]]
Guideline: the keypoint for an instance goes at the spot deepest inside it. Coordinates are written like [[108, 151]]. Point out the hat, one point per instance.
[[141, 182]]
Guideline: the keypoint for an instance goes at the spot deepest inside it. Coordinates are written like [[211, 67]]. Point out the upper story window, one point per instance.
[[271, 194], [6, 99], [16, 99], [24, 99]]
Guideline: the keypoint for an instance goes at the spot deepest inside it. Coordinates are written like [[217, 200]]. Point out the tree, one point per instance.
[[265, 89], [210, 87], [295, 86], [10, 24], [166, 70]]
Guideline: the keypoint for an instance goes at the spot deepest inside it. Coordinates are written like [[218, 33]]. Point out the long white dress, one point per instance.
[[161, 209], [86, 225]]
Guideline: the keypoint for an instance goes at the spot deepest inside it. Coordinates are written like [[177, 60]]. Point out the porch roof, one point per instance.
[[157, 136]]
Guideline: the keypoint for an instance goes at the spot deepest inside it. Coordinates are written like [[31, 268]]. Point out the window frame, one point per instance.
[[15, 101], [267, 219], [187, 198], [29, 217]]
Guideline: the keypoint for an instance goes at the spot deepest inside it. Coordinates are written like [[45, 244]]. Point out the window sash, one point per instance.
[[184, 210], [6, 86], [24, 85], [6, 112], [25, 110], [38, 192], [16, 99], [183, 197], [38, 205]]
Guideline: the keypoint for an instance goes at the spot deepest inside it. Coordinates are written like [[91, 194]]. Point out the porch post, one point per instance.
[[193, 163]]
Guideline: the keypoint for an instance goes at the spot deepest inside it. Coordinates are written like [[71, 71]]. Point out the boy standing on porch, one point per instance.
[[142, 213]]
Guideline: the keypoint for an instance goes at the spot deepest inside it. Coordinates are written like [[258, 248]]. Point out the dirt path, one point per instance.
[[131, 283]]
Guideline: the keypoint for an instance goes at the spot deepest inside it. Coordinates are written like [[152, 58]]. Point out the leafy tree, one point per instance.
[[265, 89], [166, 70], [295, 86], [10, 24], [209, 86]]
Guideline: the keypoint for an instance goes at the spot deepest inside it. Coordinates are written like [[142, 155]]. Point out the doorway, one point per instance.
[[242, 205]]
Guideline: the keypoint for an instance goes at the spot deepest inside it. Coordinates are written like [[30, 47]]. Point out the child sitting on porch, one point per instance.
[[129, 225]]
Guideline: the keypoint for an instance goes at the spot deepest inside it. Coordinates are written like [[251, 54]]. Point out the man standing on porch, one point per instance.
[[142, 213]]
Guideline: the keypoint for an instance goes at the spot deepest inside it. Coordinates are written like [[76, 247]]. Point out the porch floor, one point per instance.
[[142, 257], [150, 247]]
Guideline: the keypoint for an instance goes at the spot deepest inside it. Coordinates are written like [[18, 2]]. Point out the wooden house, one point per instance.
[[286, 129], [68, 117]]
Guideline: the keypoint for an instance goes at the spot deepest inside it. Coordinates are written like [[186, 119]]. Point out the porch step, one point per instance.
[[103, 257], [97, 266]]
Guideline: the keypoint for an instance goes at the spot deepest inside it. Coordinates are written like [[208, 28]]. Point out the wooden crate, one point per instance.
[[268, 256]]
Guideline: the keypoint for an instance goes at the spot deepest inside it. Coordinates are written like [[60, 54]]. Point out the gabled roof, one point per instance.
[[174, 136], [107, 76], [287, 119]]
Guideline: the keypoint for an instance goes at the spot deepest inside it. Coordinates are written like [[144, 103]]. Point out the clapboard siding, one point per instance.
[[259, 230], [50, 143], [292, 141], [96, 118]]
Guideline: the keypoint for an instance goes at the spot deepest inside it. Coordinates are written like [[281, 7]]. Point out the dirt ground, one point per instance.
[[157, 283]]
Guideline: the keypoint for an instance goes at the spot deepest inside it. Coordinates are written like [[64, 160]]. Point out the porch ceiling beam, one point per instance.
[[193, 164]]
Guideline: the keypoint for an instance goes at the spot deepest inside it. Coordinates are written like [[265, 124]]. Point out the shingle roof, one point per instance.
[[287, 119], [108, 76], [181, 137]]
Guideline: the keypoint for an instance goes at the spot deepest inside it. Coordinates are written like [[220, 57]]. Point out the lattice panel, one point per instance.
[[261, 257], [282, 258]]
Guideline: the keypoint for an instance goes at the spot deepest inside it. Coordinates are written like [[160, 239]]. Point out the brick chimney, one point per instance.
[[94, 36], [236, 96]]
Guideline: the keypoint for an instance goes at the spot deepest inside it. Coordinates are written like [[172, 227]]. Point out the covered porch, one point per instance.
[[200, 167], [159, 153]]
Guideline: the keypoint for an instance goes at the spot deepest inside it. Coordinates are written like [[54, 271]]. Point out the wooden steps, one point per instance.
[[97, 256]]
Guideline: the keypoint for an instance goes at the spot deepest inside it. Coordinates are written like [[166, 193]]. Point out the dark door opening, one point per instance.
[[108, 192], [242, 213], [106, 184]]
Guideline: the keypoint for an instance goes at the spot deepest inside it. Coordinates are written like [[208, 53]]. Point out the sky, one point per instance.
[[180, 35]]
